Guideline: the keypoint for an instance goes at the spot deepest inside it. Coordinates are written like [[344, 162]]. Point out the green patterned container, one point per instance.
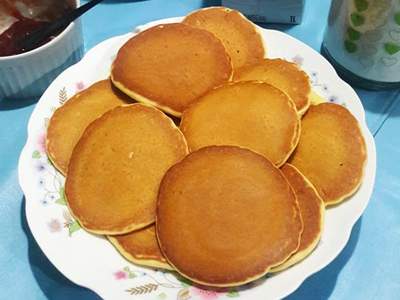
[[362, 40]]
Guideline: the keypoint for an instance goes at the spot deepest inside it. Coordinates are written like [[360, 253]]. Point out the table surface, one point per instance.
[[367, 268]]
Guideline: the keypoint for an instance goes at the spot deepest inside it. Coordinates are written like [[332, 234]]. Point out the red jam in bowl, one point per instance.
[[28, 15], [21, 28]]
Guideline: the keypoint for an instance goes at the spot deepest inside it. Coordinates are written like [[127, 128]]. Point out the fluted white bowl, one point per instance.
[[27, 75]]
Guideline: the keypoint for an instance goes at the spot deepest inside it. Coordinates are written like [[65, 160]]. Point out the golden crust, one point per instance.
[[331, 152], [253, 115], [312, 211], [71, 119], [225, 216], [240, 37], [285, 75], [141, 247], [170, 65], [117, 166]]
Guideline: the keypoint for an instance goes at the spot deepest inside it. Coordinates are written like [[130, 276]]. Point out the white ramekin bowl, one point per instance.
[[27, 75]]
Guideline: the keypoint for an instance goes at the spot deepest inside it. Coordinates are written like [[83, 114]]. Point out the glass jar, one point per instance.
[[362, 41]]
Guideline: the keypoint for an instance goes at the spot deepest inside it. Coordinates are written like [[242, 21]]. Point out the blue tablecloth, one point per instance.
[[368, 267]]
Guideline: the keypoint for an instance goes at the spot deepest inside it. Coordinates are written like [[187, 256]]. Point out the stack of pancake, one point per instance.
[[240, 188]]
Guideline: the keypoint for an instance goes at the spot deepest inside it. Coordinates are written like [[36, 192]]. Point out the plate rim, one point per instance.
[[24, 157]]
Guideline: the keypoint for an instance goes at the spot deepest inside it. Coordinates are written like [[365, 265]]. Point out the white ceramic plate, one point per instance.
[[92, 262]]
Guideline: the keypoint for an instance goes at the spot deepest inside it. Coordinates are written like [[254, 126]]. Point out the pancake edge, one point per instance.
[[257, 28], [339, 200], [51, 159], [50, 154], [234, 284], [255, 277], [299, 256], [143, 99], [295, 138], [141, 260], [305, 107], [345, 197], [131, 227]]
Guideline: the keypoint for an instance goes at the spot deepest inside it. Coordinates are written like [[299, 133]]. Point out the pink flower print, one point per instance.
[[79, 86], [298, 60], [54, 225], [203, 294], [41, 141], [120, 275]]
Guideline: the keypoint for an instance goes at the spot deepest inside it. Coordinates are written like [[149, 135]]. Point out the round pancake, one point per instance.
[[71, 119], [312, 211], [117, 166], [225, 215], [253, 115], [331, 151], [239, 36], [171, 65], [285, 75], [141, 247]]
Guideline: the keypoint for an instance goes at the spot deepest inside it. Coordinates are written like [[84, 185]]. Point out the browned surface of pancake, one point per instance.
[[225, 215], [171, 65], [117, 166], [331, 151], [253, 115], [283, 74], [312, 212], [240, 36], [71, 119], [141, 247]]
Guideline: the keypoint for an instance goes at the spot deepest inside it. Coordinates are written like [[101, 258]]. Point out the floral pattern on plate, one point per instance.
[[94, 263]]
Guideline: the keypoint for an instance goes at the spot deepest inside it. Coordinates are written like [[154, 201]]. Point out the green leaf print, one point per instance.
[[353, 34], [162, 296], [232, 294], [36, 154], [350, 46], [357, 19], [361, 5], [129, 272], [73, 227], [392, 48], [61, 200], [397, 18]]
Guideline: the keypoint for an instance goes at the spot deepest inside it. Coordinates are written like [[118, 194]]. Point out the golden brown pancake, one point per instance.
[[331, 151], [225, 216], [170, 65], [117, 166], [286, 76], [253, 115], [70, 120], [312, 211], [141, 247], [240, 36]]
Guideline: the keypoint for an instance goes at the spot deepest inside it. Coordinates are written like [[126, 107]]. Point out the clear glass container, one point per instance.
[[362, 41]]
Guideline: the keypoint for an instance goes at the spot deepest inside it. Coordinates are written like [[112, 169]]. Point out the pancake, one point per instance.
[[70, 120], [240, 36], [141, 247], [170, 65], [253, 115], [117, 166], [331, 152], [225, 216], [285, 75], [312, 211]]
